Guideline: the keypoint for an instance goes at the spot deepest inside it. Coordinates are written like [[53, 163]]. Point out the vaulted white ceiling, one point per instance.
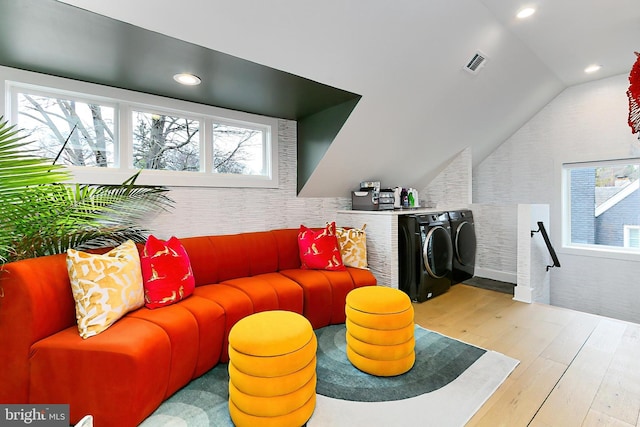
[[419, 107]]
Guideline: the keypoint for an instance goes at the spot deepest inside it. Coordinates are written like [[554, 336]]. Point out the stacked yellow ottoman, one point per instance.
[[380, 330], [272, 370]]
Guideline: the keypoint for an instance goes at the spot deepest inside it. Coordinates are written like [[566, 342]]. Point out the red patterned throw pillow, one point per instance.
[[166, 272], [319, 250]]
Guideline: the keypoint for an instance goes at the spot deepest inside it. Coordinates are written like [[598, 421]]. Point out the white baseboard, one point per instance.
[[502, 276]]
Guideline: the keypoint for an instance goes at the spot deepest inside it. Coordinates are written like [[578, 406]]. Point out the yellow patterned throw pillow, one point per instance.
[[353, 246], [105, 287]]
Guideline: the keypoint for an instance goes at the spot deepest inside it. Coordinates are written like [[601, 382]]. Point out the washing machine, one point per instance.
[[425, 255], [463, 238]]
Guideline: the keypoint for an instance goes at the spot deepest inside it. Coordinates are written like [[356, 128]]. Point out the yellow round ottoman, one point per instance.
[[272, 370], [380, 330]]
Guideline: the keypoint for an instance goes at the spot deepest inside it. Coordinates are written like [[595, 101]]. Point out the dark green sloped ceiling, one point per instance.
[[317, 131], [55, 38]]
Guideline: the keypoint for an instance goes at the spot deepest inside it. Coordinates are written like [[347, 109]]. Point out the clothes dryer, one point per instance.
[[463, 237], [425, 254]]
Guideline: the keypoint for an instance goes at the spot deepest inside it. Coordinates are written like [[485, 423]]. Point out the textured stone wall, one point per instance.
[[496, 235], [451, 189]]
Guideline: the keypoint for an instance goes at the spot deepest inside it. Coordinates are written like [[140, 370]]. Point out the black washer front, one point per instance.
[[425, 252], [436, 251], [464, 245]]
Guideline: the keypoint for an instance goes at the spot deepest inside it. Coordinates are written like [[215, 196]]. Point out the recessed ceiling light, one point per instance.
[[592, 68], [187, 79], [526, 12]]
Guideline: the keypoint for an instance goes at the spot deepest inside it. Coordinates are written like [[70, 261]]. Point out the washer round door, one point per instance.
[[437, 252], [465, 243]]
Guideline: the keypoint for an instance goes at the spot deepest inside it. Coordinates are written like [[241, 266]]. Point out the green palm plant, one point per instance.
[[40, 214]]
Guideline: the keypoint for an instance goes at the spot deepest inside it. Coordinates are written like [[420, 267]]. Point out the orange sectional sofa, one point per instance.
[[123, 374]]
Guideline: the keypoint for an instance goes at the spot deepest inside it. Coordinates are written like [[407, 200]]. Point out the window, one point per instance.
[[105, 134], [238, 150], [165, 142], [602, 205], [69, 130]]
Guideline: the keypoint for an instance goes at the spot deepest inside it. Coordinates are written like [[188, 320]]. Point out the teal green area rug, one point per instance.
[[448, 383]]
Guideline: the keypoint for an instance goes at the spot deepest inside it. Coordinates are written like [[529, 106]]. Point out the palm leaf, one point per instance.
[[90, 238], [19, 168], [40, 215]]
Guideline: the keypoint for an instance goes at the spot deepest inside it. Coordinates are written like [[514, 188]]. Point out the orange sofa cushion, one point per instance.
[[235, 303], [317, 295], [211, 326], [122, 374], [37, 303], [202, 258], [182, 329], [288, 250]]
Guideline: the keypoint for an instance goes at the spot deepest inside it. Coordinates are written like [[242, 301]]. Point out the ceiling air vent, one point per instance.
[[476, 62]]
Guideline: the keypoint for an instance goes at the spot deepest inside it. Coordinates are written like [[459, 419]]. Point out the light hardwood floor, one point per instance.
[[576, 369]]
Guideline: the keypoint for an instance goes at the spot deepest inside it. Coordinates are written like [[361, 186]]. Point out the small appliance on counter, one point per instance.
[[386, 200], [366, 199], [371, 198]]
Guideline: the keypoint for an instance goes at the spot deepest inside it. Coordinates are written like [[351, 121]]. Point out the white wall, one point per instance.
[[585, 122]]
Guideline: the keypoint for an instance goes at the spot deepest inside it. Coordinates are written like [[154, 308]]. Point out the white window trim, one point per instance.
[[627, 232], [599, 251], [125, 102]]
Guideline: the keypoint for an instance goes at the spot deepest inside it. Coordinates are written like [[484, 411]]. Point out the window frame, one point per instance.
[[603, 251], [125, 102], [627, 234]]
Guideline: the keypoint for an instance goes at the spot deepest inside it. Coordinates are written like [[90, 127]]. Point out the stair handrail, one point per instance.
[[547, 241]]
